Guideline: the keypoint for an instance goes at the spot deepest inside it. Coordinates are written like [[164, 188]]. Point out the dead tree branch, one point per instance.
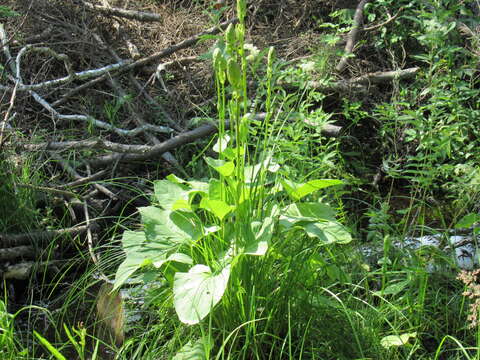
[[157, 150], [352, 35], [11, 240], [127, 14]]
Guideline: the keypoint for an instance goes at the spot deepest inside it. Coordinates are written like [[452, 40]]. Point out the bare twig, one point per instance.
[[70, 170], [9, 240], [383, 77], [82, 75], [126, 66], [128, 14], [167, 156], [12, 253], [87, 144], [89, 234], [359, 84], [386, 22], [157, 150], [44, 35], [352, 35], [85, 179], [65, 193]]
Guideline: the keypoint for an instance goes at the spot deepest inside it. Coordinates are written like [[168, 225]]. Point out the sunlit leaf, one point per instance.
[[221, 144], [170, 227], [225, 168], [298, 191], [194, 350], [328, 232], [393, 289], [169, 194], [397, 340], [196, 293], [468, 221], [218, 207], [262, 234]]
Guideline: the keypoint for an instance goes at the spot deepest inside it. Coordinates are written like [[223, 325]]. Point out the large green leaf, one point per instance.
[[171, 195], [300, 190], [167, 227], [313, 211], [328, 232], [140, 252], [262, 234], [218, 207], [215, 189], [225, 168], [397, 340], [194, 350], [196, 293]]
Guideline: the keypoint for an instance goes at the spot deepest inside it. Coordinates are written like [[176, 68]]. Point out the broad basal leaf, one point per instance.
[[140, 252], [170, 227], [262, 234], [218, 207], [196, 293], [328, 232], [300, 190], [194, 350], [225, 168], [171, 195], [397, 340], [313, 211]]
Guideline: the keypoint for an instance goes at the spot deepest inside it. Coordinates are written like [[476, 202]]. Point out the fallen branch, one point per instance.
[[85, 179], [383, 77], [128, 14], [11, 240], [23, 270], [12, 253], [352, 35], [360, 83], [157, 150], [73, 173], [67, 194], [167, 156]]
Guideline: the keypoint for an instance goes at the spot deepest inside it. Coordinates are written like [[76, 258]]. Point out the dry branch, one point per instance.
[[99, 144], [383, 77], [12, 253], [157, 150], [128, 14], [10, 240], [352, 35], [126, 66], [86, 179], [360, 83], [23, 270], [73, 173]]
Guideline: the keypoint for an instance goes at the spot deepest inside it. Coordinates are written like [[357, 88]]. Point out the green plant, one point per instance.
[[206, 237], [6, 11], [77, 339], [9, 346]]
